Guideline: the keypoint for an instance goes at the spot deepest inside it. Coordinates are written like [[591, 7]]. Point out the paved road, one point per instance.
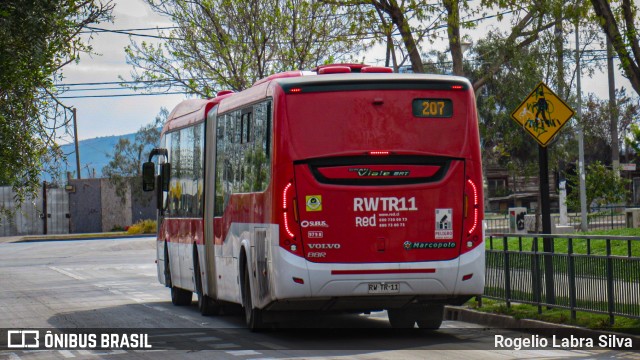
[[112, 284]]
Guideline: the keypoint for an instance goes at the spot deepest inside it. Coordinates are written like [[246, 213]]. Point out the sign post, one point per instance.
[[542, 114]]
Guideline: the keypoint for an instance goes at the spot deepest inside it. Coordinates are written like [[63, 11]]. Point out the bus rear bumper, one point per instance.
[[301, 284]]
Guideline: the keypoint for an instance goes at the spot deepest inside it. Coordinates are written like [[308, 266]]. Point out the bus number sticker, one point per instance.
[[314, 202], [444, 224]]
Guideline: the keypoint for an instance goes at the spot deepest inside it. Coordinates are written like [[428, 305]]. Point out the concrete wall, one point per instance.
[[91, 206], [85, 206], [116, 213], [96, 207]]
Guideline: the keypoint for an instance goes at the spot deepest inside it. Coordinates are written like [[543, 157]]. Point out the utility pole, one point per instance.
[[75, 135], [581, 172]]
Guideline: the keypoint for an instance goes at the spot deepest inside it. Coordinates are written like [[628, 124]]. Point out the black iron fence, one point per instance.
[[600, 218], [598, 274]]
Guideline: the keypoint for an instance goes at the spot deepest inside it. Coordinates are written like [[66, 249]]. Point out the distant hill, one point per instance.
[[94, 155]]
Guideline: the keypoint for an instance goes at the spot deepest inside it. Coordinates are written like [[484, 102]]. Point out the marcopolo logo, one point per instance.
[[408, 245]]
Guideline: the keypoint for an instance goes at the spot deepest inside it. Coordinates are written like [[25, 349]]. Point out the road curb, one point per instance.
[[497, 321], [70, 237]]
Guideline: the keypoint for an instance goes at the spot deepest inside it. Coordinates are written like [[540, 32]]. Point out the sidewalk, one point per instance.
[[497, 321], [62, 237]]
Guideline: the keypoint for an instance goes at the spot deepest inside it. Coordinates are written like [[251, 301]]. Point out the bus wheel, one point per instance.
[[401, 318], [180, 297], [252, 316], [206, 305], [431, 319]]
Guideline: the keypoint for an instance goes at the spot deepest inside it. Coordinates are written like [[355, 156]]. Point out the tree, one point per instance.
[[597, 132], [603, 186], [229, 44], [414, 20], [621, 28], [37, 39], [127, 158]]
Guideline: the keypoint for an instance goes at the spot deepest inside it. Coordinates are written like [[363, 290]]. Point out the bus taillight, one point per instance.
[[472, 216], [379, 153], [474, 207], [285, 209]]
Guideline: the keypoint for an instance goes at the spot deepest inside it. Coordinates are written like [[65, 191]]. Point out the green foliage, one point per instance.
[[37, 39], [124, 170], [229, 44], [619, 20], [558, 316], [603, 187], [143, 227], [596, 115]]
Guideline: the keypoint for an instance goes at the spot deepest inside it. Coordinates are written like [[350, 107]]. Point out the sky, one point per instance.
[[98, 117]]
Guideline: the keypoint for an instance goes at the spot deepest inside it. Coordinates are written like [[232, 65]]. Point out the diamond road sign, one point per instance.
[[542, 114]]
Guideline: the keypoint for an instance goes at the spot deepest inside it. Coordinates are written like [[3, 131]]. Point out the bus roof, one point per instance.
[[191, 111], [372, 78], [194, 110]]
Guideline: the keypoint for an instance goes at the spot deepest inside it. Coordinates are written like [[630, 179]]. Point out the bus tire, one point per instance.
[[431, 319], [180, 297], [206, 305], [401, 318], [252, 316]]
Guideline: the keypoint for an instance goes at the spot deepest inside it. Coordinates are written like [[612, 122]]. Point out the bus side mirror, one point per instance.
[[148, 176]]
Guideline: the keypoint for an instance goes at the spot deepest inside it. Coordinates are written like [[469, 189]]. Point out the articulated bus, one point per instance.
[[344, 189]]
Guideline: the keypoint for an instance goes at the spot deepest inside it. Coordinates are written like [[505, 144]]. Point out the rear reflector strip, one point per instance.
[[382, 271]]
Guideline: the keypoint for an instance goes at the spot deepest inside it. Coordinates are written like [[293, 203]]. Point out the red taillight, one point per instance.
[[456, 87], [295, 90], [334, 69], [475, 207], [376, 69], [379, 153], [285, 210]]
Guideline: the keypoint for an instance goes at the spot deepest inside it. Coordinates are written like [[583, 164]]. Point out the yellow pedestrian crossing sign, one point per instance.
[[542, 114]]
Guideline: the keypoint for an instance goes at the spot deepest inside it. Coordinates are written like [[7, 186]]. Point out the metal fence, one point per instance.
[[601, 218], [598, 274], [48, 213]]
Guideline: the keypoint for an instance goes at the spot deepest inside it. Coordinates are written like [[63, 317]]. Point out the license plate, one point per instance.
[[384, 288]]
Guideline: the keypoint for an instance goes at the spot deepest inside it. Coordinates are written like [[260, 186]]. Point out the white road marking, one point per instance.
[[272, 345], [66, 353], [243, 352], [225, 346], [64, 272], [101, 353]]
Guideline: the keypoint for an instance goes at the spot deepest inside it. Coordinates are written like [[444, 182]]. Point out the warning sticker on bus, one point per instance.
[[444, 223]]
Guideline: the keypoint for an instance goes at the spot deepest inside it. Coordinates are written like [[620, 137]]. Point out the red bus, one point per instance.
[[345, 189]]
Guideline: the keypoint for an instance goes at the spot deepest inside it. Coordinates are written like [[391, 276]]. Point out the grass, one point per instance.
[[580, 246], [558, 316]]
